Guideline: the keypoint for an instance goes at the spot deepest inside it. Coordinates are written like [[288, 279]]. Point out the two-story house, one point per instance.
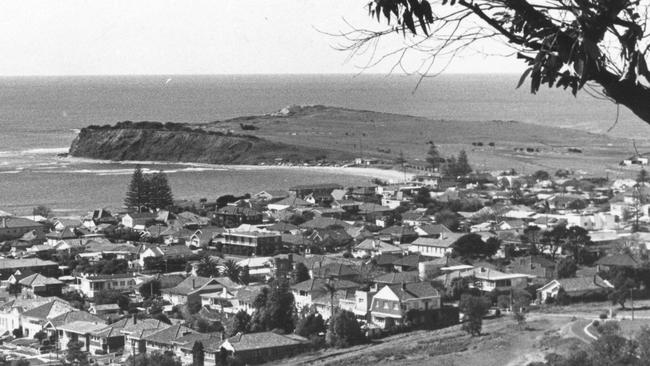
[[391, 303]]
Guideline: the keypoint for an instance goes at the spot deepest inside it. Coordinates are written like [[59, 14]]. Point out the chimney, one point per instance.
[[403, 286], [193, 283], [135, 319], [4, 222]]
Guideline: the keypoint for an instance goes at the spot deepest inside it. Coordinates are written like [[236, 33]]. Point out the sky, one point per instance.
[[140, 37]]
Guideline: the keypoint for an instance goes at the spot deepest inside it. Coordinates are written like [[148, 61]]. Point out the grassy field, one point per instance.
[[384, 136], [503, 343]]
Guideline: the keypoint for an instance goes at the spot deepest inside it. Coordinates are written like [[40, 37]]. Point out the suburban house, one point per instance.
[[371, 248], [435, 247], [44, 267], [89, 335], [90, 284], [359, 303], [255, 348], [163, 339], [12, 227], [488, 280], [39, 285], [392, 302], [134, 332], [305, 292], [189, 290], [577, 287], [541, 268], [271, 196], [165, 252], [139, 220], [34, 320], [251, 242], [288, 202], [320, 192], [11, 310], [233, 216]]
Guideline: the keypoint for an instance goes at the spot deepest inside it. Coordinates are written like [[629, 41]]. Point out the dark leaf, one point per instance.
[[408, 21], [427, 11], [523, 77]]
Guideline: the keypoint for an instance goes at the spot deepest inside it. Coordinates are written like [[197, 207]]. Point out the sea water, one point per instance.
[[40, 116]]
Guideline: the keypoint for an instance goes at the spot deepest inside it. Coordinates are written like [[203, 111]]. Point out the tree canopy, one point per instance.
[[598, 46]]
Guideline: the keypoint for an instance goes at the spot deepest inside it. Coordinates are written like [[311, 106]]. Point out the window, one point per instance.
[[385, 304], [395, 306]]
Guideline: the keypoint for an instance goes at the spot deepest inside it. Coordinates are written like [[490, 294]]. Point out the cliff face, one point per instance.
[[185, 146]]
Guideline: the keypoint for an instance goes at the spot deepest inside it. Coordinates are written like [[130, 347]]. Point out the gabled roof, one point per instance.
[[138, 329], [263, 340], [67, 233], [37, 280], [82, 327], [583, 284], [378, 245], [72, 316], [318, 285], [190, 285], [398, 277], [416, 290], [334, 270], [446, 241], [618, 260], [169, 334], [19, 222], [323, 223], [292, 201], [282, 227], [433, 229], [49, 310], [399, 230]]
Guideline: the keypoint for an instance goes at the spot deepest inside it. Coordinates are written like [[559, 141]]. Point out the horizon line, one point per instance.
[[261, 74]]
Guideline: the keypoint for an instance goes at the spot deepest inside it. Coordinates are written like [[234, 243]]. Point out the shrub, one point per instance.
[[602, 316]]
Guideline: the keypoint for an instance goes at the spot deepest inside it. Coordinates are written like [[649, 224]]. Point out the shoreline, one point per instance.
[[389, 175]]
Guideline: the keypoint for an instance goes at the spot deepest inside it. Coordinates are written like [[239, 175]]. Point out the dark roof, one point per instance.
[[411, 260], [579, 284], [399, 230], [263, 340], [46, 310], [282, 227], [432, 229], [323, 223], [19, 222], [318, 285], [334, 270], [618, 260], [73, 316], [398, 277], [189, 285], [416, 290], [169, 334], [316, 186]]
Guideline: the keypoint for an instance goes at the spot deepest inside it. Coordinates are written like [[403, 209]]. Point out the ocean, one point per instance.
[[40, 116]]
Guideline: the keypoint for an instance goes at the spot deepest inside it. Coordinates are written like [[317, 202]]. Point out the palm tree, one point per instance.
[[231, 270], [207, 267]]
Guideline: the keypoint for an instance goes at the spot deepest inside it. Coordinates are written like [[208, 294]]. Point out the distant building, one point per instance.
[[12, 227], [249, 243]]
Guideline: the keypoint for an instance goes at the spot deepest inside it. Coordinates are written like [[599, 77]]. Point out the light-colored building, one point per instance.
[[391, 303], [90, 285]]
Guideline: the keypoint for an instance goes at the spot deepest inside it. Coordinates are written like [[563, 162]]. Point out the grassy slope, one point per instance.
[[503, 344], [347, 130]]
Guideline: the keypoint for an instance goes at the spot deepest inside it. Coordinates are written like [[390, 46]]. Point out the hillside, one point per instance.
[[140, 142], [310, 133]]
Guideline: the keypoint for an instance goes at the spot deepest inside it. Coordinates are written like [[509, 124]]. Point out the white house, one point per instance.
[[391, 302], [432, 247]]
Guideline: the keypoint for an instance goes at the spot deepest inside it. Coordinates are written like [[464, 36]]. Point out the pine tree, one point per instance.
[[433, 157], [137, 195], [450, 168], [462, 164], [160, 195], [198, 354]]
